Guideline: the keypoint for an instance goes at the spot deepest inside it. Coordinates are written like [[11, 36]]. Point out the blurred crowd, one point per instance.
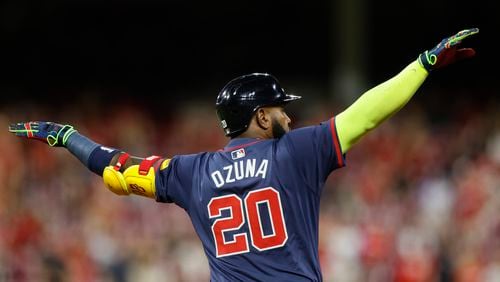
[[418, 200]]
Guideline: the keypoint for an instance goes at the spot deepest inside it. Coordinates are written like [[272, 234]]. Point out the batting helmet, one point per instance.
[[242, 96]]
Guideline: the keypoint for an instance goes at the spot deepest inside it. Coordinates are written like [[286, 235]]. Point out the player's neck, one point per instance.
[[256, 134]]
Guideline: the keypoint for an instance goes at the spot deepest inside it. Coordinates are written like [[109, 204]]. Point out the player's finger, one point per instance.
[[13, 127], [26, 125], [24, 129], [457, 38]]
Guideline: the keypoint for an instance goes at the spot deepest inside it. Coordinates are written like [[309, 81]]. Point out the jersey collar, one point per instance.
[[237, 143]]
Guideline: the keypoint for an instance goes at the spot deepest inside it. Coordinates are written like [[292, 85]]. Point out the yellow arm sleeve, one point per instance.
[[378, 104]]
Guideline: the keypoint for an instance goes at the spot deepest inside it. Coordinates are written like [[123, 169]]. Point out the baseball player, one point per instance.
[[255, 203]]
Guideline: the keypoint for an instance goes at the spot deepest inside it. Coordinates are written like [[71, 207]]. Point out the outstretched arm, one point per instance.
[[384, 100], [123, 174]]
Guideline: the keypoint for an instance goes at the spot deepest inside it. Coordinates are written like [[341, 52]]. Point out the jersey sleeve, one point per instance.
[[315, 150], [174, 183]]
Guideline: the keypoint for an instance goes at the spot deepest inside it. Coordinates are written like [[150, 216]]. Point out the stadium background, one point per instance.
[[419, 198]]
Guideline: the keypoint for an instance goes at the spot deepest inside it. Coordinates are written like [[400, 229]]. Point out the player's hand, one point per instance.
[[447, 51], [51, 133]]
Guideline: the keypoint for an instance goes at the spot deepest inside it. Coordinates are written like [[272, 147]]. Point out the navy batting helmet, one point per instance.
[[242, 96]]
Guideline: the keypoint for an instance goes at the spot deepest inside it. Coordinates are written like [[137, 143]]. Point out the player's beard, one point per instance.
[[278, 130]]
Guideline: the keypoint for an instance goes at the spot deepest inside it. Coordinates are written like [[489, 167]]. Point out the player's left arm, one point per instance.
[[122, 173], [384, 100]]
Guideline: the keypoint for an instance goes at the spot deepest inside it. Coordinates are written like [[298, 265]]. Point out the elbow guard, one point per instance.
[[136, 179]]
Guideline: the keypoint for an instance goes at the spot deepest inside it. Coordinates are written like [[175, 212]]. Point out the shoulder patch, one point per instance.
[[165, 164]]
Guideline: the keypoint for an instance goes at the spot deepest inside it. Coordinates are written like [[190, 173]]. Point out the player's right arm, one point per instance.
[[123, 174], [381, 102]]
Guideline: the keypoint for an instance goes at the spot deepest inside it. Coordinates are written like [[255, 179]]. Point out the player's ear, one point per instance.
[[263, 118]]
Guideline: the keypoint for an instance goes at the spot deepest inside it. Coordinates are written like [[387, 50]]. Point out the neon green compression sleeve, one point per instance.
[[378, 104]]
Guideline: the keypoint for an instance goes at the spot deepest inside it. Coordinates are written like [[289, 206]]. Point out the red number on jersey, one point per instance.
[[239, 244], [268, 197], [271, 199]]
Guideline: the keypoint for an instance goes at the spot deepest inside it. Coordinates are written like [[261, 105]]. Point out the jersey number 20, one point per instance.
[[248, 209]]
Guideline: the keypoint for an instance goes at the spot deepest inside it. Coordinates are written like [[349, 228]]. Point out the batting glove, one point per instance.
[[447, 52], [54, 134]]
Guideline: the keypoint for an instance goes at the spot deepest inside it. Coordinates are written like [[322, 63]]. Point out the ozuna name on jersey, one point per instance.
[[240, 170]]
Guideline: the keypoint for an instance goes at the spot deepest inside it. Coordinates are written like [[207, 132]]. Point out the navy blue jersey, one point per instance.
[[255, 204]]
